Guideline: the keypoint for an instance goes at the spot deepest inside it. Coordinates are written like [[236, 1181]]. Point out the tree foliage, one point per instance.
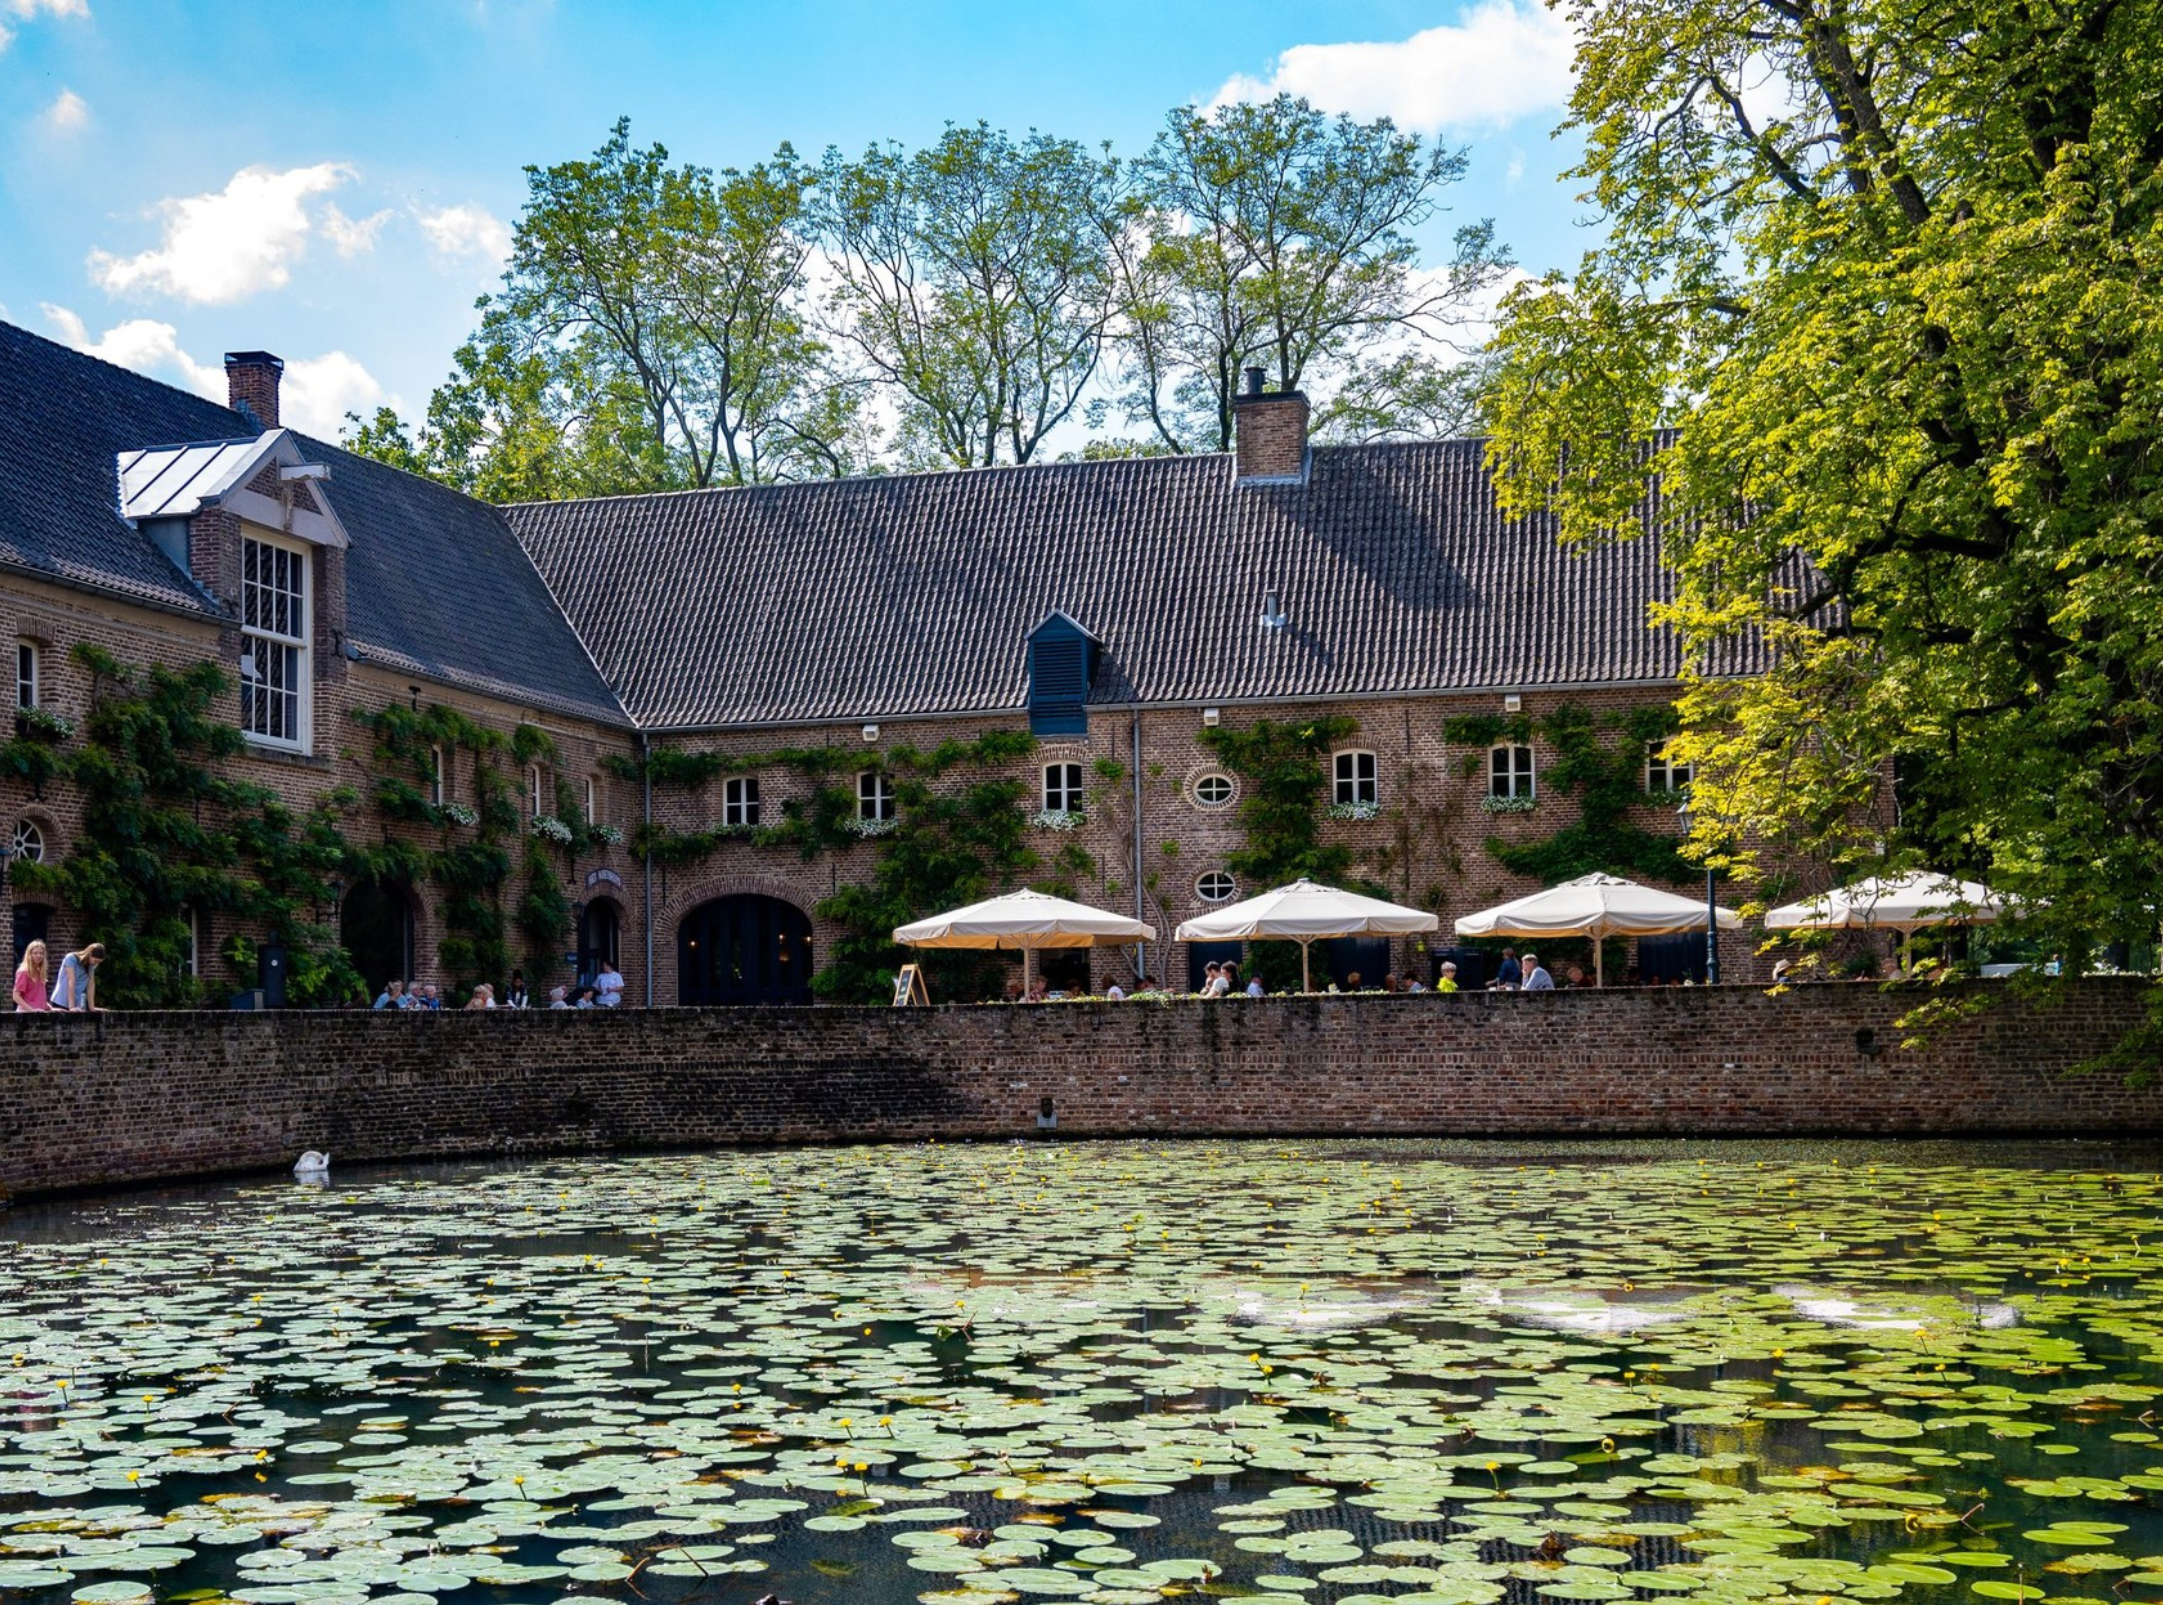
[[971, 279], [649, 334], [1896, 271], [661, 326], [1275, 235]]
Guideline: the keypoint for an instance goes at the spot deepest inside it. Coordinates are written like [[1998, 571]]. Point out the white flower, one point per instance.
[[611, 834], [549, 828], [1058, 819], [872, 827], [462, 814], [1355, 810], [1508, 805]]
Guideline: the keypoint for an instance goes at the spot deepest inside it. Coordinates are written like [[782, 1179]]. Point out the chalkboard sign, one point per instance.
[[909, 988]]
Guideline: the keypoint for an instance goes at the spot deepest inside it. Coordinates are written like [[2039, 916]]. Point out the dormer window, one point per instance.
[[1062, 660], [275, 627]]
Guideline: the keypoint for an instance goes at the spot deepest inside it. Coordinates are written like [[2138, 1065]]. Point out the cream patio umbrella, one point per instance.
[[1026, 920], [1305, 912], [1904, 903], [1597, 906]]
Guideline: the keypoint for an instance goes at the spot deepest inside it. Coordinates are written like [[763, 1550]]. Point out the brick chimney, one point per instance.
[[251, 384], [1269, 434]]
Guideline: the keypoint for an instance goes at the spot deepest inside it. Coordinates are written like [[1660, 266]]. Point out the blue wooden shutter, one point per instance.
[[1058, 684]]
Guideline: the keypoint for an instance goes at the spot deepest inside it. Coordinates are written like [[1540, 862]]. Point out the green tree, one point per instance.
[[972, 280], [1272, 234], [1896, 271], [649, 335]]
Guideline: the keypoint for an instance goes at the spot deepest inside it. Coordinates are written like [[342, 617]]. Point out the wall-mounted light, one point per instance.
[[1211, 716], [871, 732], [1273, 614], [1513, 704]]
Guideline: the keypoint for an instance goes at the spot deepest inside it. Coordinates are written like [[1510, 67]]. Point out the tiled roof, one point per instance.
[[885, 597], [435, 583]]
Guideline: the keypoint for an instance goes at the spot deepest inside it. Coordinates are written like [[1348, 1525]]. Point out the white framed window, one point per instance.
[[275, 625], [874, 795], [439, 791], [593, 801], [1509, 770], [191, 964], [1355, 779], [1214, 790], [1062, 788], [1216, 887], [533, 791], [1663, 773], [27, 842], [740, 800], [26, 674]]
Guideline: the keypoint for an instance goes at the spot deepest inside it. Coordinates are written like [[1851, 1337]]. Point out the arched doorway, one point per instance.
[[743, 949], [375, 926], [600, 928]]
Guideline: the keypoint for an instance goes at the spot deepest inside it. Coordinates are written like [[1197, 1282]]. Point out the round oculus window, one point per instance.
[[1215, 887], [28, 842], [1213, 791]]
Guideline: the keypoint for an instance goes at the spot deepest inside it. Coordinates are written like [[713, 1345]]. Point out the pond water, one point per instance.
[[1118, 1372]]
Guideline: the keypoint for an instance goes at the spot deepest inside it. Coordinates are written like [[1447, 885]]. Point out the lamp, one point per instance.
[[871, 732], [1712, 909]]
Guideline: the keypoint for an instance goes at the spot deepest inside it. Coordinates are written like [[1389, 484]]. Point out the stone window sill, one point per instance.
[[284, 755]]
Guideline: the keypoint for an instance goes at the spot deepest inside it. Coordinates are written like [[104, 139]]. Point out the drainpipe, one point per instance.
[[1141, 908], [645, 767]]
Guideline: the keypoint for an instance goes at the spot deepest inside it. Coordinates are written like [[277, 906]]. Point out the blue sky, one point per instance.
[[335, 181]]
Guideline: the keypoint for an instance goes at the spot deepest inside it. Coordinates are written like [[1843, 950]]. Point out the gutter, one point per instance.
[[1174, 704], [645, 754], [43, 576]]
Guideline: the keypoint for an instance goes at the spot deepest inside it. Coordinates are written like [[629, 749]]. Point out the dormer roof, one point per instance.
[[266, 479]]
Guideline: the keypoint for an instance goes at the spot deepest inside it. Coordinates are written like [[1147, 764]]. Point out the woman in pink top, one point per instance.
[[30, 980]]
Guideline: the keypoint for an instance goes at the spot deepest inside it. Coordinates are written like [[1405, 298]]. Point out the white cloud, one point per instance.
[[315, 396], [461, 231], [351, 236], [27, 11], [1501, 60], [318, 392], [68, 112], [144, 344], [224, 247]]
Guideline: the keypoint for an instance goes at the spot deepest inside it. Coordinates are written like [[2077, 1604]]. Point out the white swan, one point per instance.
[[312, 1163]]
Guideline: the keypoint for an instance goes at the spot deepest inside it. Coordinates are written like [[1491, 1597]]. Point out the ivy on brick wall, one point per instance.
[[943, 848], [165, 836], [1281, 806], [1604, 774], [484, 844]]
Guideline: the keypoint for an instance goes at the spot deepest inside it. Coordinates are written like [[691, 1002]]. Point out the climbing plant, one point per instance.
[[1280, 811], [165, 836], [1606, 777], [482, 845], [943, 847]]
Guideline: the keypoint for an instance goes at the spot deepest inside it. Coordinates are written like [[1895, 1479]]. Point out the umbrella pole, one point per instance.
[[1599, 959], [1305, 984], [1028, 972]]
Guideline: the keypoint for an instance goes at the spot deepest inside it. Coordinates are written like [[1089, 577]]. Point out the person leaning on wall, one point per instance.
[[76, 989]]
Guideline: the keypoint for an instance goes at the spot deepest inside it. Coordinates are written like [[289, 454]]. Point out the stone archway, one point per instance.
[[376, 928], [741, 949]]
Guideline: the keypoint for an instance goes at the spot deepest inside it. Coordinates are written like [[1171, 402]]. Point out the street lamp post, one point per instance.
[[1712, 909]]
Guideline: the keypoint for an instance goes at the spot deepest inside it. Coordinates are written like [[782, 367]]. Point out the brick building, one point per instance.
[[691, 671]]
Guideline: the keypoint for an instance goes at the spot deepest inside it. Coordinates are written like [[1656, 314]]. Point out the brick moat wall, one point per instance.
[[124, 1098]]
